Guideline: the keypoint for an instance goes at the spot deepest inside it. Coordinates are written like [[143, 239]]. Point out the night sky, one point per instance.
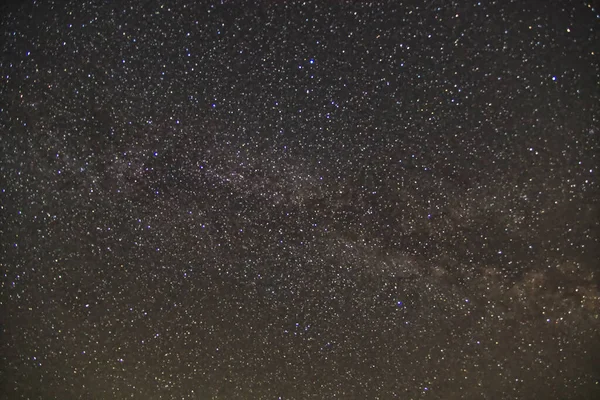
[[300, 200]]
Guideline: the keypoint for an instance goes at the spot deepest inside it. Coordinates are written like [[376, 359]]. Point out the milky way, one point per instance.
[[299, 200]]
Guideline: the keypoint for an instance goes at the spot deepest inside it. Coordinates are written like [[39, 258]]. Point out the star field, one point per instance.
[[299, 200]]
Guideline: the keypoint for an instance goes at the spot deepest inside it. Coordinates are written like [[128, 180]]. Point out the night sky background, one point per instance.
[[299, 200]]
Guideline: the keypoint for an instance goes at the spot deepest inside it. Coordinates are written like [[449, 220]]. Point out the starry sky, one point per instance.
[[299, 200]]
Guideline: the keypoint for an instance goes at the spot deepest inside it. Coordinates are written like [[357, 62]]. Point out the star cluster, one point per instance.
[[294, 200]]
